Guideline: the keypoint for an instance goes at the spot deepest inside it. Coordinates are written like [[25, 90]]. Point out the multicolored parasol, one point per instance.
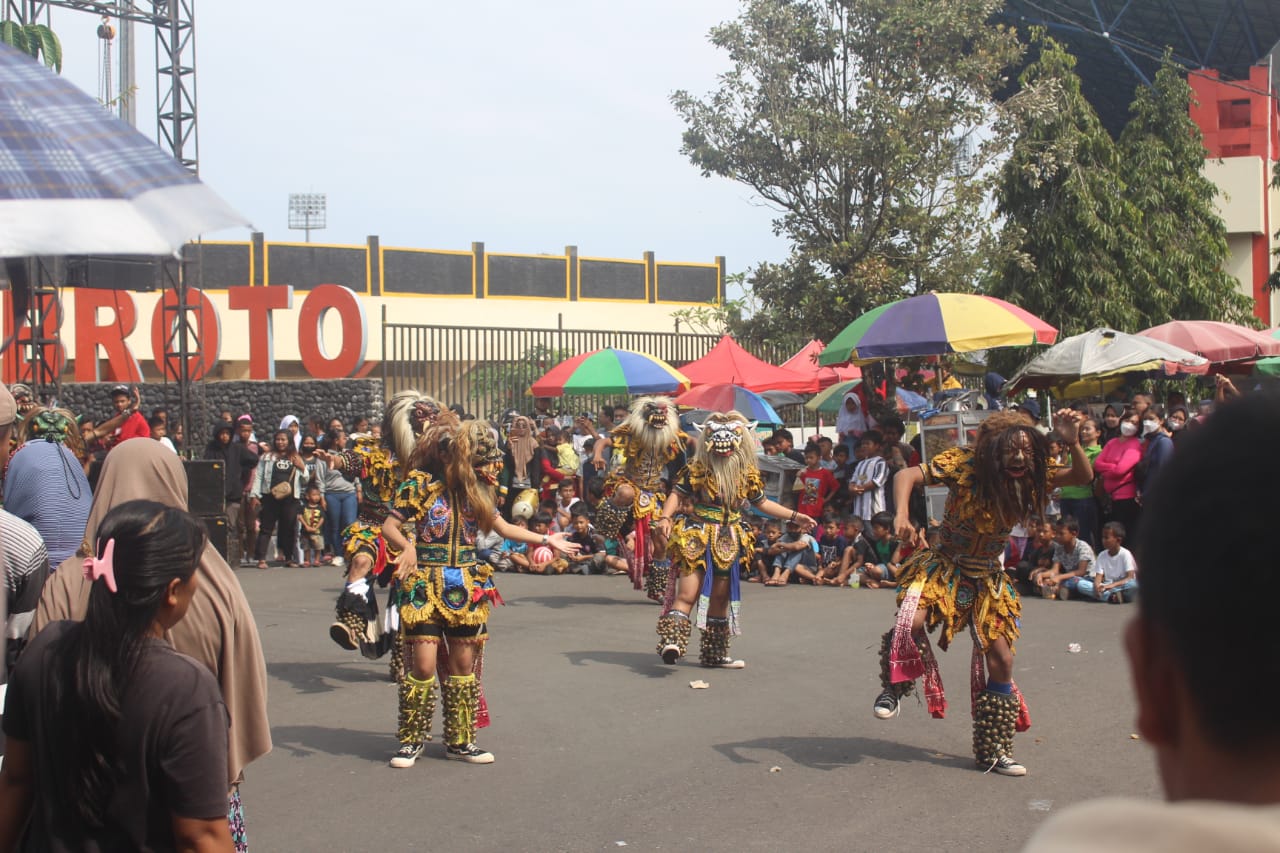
[[610, 371], [729, 397], [936, 324]]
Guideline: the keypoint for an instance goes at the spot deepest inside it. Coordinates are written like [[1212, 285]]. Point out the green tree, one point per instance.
[[1162, 159], [501, 385], [1076, 258], [845, 116]]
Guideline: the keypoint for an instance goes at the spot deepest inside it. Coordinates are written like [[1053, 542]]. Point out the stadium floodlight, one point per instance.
[[307, 212]]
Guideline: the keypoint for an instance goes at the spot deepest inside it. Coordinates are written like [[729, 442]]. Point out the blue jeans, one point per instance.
[[341, 512], [1084, 586]]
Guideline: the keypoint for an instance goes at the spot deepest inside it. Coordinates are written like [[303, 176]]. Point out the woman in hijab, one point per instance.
[[291, 425], [46, 486], [852, 420], [218, 629], [519, 462]]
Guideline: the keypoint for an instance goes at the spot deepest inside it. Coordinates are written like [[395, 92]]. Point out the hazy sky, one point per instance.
[[529, 126]]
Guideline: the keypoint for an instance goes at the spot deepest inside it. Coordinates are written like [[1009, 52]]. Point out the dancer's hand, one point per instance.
[[1067, 422], [902, 524], [406, 562], [562, 544], [806, 522], [664, 526]]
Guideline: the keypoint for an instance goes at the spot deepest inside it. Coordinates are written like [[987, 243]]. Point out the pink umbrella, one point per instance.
[[1218, 342]]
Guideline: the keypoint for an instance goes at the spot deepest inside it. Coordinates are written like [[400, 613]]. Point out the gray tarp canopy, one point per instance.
[[1102, 353]]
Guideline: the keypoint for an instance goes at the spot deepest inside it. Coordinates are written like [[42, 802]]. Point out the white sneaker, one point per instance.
[[406, 755]]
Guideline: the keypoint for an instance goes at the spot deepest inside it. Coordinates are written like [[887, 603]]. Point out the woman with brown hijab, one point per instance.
[[218, 630]]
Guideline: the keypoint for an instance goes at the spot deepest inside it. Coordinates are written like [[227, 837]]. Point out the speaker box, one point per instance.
[[217, 527], [206, 490]]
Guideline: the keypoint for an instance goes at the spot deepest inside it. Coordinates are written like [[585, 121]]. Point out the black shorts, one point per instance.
[[431, 629]]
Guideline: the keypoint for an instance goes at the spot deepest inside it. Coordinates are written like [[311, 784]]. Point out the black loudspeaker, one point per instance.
[[206, 491], [217, 527]]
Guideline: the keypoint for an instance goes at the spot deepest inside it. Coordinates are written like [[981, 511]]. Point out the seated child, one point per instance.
[[1072, 560], [556, 565], [566, 500], [767, 547], [592, 558], [886, 556], [513, 556], [857, 550], [795, 556], [1036, 554], [831, 548], [1115, 573]]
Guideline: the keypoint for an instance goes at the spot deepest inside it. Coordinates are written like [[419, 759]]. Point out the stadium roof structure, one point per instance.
[[1119, 43]]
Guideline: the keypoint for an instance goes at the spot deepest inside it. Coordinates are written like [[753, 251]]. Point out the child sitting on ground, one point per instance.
[[513, 556], [1037, 554], [886, 557], [795, 554], [556, 565], [1115, 573], [767, 547], [312, 519], [857, 550], [831, 548], [1072, 560]]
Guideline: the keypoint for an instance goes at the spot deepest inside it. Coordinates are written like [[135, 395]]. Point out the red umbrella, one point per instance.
[[1218, 342], [729, 362]]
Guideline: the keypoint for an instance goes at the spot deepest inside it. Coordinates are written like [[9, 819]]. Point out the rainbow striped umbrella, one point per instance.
[[610, 371], [936, 324]]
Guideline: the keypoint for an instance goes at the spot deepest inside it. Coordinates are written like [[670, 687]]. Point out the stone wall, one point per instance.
[[268, 402]]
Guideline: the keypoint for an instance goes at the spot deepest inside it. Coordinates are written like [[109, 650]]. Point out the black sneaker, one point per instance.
[[1005, 766], [886, 707], [406, 755], [469, 753], [670, 653]]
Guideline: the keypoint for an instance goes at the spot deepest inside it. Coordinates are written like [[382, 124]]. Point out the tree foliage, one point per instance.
[[1185, 239], [1072, 231], [1104, 234], [845, 116], [501, 385]]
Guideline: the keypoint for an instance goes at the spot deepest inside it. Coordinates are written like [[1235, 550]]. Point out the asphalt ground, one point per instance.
[[599, 745]]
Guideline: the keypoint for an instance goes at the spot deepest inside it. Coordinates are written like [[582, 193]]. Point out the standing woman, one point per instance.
[[1110, 426], [341, 490], [1078, 501], [1117, 463], [278, 483], [114, 740], [710, 546], [219, 630]]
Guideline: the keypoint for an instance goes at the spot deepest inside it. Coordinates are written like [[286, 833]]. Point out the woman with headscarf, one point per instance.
[[291, 425], [45, 484], [852, 420], [520, 463], [218, 629]]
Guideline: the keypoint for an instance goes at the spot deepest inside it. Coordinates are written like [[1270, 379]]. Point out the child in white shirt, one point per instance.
[[1115, 574]]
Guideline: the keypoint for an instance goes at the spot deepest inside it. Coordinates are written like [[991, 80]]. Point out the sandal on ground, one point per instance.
[[262, 564]]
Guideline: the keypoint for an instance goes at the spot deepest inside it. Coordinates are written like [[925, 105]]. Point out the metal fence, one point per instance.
[[489, 370]]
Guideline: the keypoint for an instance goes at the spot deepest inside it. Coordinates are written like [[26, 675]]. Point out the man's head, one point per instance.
[[893, 429], [120, 398], [1141, 403], [1202, 653], [226, 417], [1030, 408], [783, 439], [568, 490]]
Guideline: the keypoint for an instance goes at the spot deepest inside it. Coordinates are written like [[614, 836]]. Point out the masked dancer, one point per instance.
[[379, 466], [709, 545], [1002, 479], [443, 590], [648, 447]]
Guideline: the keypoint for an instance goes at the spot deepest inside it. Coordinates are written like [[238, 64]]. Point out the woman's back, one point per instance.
[[170, 747]]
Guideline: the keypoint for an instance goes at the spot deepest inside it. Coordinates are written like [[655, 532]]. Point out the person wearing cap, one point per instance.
[[128, 422], [1031, 408]]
